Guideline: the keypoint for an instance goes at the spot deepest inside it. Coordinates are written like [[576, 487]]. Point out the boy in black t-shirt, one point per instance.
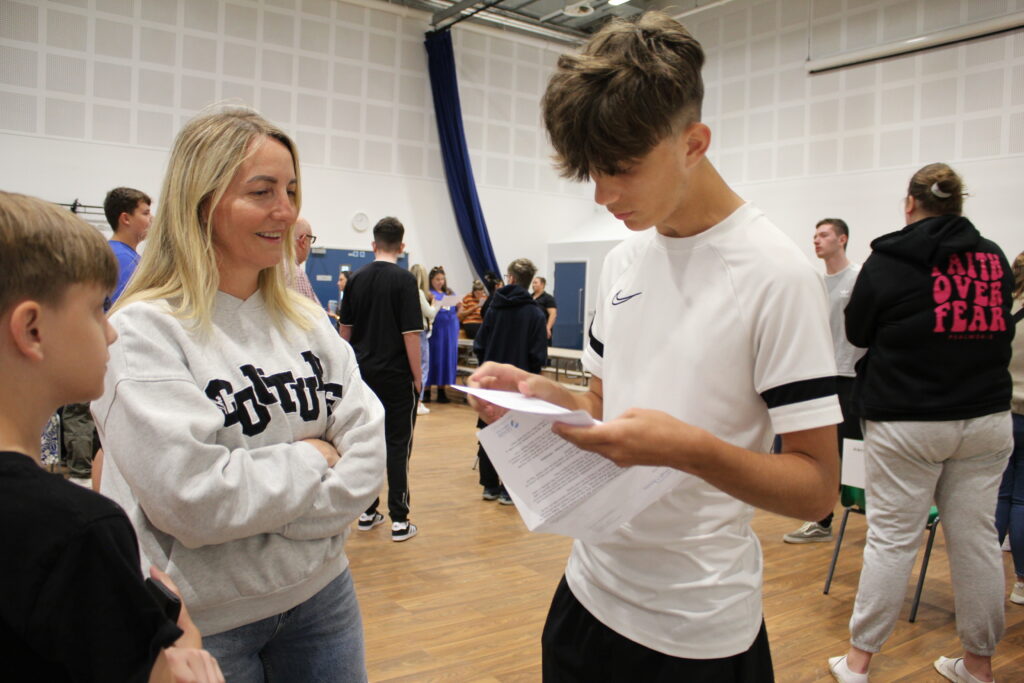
[[380, 316], [75, 606]]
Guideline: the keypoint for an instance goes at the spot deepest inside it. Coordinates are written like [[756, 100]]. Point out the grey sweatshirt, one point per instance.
[[201, 439]]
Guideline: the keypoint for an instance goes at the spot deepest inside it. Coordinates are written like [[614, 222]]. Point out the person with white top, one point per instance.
[[711, 334], [831, 235]]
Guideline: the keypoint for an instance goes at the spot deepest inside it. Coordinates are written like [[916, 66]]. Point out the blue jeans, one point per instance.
[[1010, 508], [317, 641]]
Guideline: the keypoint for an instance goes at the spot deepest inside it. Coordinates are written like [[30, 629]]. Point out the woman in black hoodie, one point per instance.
[[932, 306]]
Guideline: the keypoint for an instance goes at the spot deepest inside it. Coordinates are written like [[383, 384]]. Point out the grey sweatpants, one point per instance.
[[959, 464]]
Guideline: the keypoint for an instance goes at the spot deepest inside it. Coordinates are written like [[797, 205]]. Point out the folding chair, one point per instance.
[[852, 499]]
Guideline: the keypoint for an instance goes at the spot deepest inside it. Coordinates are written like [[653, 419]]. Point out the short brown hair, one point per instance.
[[839, 227], [634, 84], [122, 200], [389, 233], [44, 249], [938, 190], [522, 271]]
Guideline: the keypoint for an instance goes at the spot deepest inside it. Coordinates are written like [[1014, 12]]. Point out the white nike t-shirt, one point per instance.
[[727, 330]]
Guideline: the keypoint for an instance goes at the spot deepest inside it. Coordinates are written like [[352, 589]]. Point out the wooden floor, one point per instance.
[[465, 600]]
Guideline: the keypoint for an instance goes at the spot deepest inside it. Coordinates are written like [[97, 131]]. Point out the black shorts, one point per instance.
[[578, 647]]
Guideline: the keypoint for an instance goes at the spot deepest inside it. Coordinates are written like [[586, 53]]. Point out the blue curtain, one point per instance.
[[457, 167]]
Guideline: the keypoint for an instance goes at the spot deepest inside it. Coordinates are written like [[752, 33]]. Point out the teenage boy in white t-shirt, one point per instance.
[[711, 334]]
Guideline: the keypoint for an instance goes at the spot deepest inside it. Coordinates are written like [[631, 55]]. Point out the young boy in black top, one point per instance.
[[514, 331], [75, 606], [380, 316]]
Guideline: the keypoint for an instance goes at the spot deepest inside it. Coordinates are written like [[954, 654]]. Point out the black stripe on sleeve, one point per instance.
[[795, 392], [594, 343]]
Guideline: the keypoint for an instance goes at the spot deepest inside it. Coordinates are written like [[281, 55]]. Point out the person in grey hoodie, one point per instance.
[[239, 436], [932, 307]]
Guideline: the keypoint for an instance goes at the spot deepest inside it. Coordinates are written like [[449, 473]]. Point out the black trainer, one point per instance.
[[367, 522], [403, 531]]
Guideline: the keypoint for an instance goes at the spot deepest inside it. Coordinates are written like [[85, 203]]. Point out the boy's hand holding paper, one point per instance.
[[558, 487]]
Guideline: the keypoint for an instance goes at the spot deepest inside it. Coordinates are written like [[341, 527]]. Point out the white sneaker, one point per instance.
[[1017, 596], [422, 410], [841, 671], [954, 670]]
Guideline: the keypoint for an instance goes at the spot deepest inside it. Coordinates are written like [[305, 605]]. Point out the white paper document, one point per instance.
[[557, 487], [853, 464]]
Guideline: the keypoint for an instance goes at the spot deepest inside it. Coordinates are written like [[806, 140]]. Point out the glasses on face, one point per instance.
[[310, 238]]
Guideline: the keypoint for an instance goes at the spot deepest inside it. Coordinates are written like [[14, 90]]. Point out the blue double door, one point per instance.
[[571, 296], [324, 265]]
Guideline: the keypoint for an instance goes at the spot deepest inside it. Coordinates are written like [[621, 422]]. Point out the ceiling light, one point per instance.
[[617, 2]]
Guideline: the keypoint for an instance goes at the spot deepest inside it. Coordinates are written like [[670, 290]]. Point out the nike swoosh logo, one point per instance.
[[619, 299]]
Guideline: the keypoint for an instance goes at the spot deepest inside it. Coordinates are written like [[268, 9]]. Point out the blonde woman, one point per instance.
[[429, 312], [229, 403]]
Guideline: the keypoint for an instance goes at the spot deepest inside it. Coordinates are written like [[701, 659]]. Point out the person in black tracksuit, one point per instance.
[[381, 317], [513, 331]]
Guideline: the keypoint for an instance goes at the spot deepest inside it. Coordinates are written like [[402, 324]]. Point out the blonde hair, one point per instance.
[[420, 273], [45, 249], [180, 263]]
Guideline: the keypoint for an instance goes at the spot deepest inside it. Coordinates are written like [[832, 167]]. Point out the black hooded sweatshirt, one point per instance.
[[514, 331], [932, 306]]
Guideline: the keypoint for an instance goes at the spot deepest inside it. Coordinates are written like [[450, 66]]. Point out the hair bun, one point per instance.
[[938, 191]]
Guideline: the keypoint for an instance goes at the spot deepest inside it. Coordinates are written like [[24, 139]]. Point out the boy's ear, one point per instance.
[[24, 325], [697, 137]]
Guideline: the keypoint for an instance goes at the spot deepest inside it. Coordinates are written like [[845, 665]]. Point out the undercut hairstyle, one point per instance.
[[634, 84], [522, 271], [839, 227], [389, 233], [938, 190], [122, 200], [45, 249], [180, 263]]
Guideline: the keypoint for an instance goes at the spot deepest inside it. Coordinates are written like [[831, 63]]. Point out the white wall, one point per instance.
[[93, 91], [845, 143]]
